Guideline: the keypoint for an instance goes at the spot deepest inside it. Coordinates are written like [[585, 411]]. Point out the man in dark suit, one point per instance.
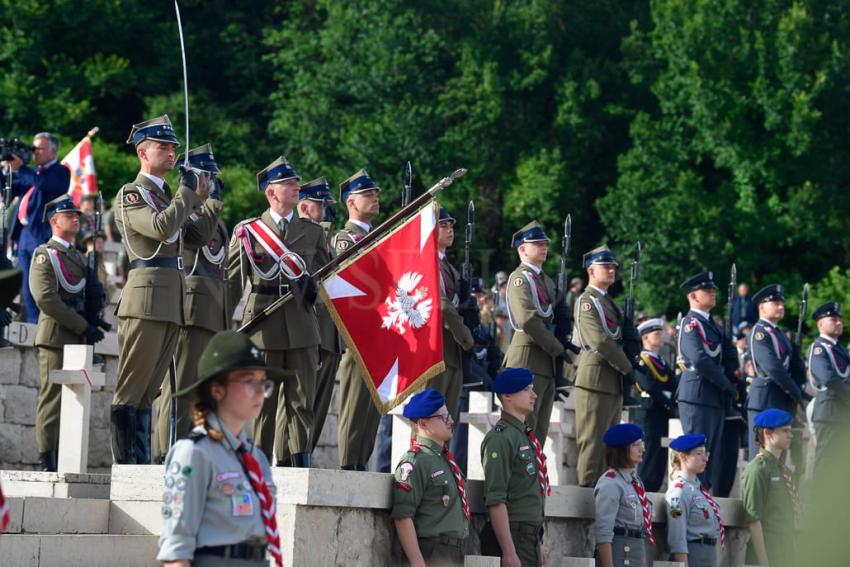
[[35, 188], [743, 310]]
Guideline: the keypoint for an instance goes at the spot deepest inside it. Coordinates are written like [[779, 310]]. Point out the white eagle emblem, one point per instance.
[[409, 306]]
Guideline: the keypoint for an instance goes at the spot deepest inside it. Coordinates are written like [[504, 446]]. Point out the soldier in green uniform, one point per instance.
[[204, 311], [315, 204], [530, 300], [430, 509], [358, 416], [150, 311], [456, 335], [277, 253], [770, 495], [516, 480], [57, 280], [602, 363]]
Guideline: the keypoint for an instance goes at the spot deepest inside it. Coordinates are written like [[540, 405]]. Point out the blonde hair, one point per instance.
[[675, 463], [204, 403]]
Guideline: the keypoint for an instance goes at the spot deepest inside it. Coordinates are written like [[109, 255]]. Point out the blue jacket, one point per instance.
[[829, 367], [779, 370], [742, 310], [49, 184], [704, 380]]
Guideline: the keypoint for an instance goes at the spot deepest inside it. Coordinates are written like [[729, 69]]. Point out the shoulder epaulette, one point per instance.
[[611, 473]]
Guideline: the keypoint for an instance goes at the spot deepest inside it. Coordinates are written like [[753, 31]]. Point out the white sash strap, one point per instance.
[[149, 198], [76, 288]]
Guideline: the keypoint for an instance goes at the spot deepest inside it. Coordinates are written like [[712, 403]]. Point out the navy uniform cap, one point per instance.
[[202, 158], [772, 292], [158, 129], [276, 172], [61, 204], [622, 434], [831, 309], [360, 182], [702, 280], [511, 380], [772, 418], [424, 404], [316, 190], [599, 256], [532, 232], [476, 285], [650, 325], [445, 216], [684, 443]]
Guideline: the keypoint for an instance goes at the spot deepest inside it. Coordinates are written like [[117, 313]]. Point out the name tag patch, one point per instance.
[[221, 477], [437, 473], [242, 505]]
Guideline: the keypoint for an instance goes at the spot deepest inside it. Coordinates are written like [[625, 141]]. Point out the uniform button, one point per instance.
[[626, 548], [625, 561]]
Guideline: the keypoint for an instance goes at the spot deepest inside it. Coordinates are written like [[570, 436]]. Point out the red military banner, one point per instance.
[[386, 304]]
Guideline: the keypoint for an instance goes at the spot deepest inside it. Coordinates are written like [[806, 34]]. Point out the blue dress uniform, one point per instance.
[[657, 382], [704, 387], [829, 369], [779, 370]]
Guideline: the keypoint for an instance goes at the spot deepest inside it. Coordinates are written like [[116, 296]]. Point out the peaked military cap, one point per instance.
[[202, 158], [511, 380], [423, 404], [158, 129], [831, 309], [61, 204], [650, 325], [772, 292], [622, 434], [532, 232], [599, 256], [445, 216], [772, 418], [684, 443], [360, 182], [276, 172], [316, 190], [702, 280]]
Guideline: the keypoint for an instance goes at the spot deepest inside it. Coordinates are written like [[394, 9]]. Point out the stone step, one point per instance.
[[78, 550], [44, 516], [55, 485]]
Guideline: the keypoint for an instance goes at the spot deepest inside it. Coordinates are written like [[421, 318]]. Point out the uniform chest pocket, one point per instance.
[[630, 510], [439, 482], [699, 513], [528, 461]]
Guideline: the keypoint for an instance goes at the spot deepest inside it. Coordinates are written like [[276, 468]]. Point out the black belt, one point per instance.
[[444, 540], [704, 540], [176, 263], [279, 290], [628, 532], [215, 272], [249, 551]]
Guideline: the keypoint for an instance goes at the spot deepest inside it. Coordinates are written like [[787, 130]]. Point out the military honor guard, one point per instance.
[[769, 494], [704, 388], [358, 416], [150, 311], [457, 337], [779, 368], [516, 479], [829, 369], [430, 508], [219, 498], [623, 510], [530, 304], [602, 364], [694, 526], [277, 252], [57, 281], [657, 383], [205, 310]]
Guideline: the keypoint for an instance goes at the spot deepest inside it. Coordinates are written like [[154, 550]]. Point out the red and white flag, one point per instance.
[[80, 163], [4, 512], [386, 304]]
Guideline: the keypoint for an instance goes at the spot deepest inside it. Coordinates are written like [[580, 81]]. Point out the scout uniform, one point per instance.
[[779, 369], [150, 310], [358, 416], [515, 475], [657, 382], [598, 331], [693, 518], [429, 488], [204, 311], [623, 511], [219, 498], [530, 299], [769, 496], [262, 250], [457, 337], [829, 369], [57, 280]]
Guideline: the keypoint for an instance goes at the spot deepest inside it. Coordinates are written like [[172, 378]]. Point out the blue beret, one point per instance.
[[622, 434], [772, 418], [512, 380], [684, 443], [424, 404]]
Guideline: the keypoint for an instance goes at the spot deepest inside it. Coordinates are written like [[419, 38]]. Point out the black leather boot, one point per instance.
[[48, 461], [300, 460], [123, 420], [142, 445]]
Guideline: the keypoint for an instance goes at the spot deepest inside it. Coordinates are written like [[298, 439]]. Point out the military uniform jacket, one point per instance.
[[829, 369], [206, 286], [656, 381], [617, 504], [57, 282], [329, 339], [530, 299], [598, 331], [208, 498], [510, 471], [689, 514], [779, 371], [425, 489], [351, 234], [704, 380], [456, 336], [151, 224], [294, 325], [767, 499]]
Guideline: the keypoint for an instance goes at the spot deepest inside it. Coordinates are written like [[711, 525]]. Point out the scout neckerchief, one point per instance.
[[416, 446], [644, 504], [655, 365], [543, 472], [63, 276], [267, 503], [789, 483], [714, 507]]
